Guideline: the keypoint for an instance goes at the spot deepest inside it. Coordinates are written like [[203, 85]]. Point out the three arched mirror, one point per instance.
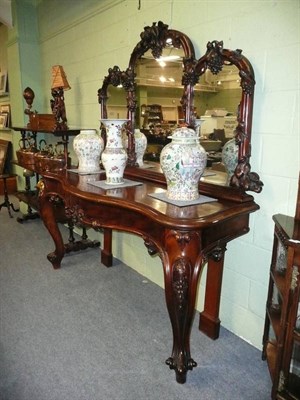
[[215, 92]]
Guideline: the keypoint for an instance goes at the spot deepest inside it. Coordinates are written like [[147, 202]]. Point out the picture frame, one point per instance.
[[5, 108], [3, 154], [3, 120], [3, 82]]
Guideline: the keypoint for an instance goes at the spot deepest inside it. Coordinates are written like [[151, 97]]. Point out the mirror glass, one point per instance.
[[116, 103], [216, 99], [165, 87], [158, 92]]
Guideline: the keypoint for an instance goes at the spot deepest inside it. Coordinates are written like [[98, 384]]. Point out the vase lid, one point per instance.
[[184, 132]]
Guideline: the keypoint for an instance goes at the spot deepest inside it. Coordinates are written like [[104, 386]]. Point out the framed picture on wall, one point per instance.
[[3, 82], [3, 154], [3, 120], [5, 109]]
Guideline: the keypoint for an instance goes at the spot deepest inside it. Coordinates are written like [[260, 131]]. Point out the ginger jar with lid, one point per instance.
[[183, 162]]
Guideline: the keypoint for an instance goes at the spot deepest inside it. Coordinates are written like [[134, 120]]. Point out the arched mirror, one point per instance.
[[222, 62], [217, 89]]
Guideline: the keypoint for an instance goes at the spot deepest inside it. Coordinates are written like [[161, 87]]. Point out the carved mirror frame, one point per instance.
[[156, 38]]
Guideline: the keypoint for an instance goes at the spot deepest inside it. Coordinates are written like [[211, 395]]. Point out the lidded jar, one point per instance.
[[183, 161], [88, 146]]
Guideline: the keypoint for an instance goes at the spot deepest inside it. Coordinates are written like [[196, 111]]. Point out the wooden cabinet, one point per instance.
[[281, 339]]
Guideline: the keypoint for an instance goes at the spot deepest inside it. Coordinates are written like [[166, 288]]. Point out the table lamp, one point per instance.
[[59, 84]]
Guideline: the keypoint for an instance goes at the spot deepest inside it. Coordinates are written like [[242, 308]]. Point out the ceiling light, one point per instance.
[[161, 63], [168, 58]]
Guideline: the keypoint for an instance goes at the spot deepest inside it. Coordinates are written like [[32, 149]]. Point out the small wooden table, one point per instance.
[[185, 238], [7, 202]]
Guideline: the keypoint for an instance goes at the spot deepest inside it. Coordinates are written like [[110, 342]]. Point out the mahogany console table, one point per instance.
[[184, 237]]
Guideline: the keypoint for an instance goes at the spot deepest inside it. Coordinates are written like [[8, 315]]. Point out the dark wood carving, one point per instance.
[[155, 38]]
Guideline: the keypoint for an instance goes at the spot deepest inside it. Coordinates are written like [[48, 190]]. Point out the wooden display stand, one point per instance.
[[11, 184], [281, 339]]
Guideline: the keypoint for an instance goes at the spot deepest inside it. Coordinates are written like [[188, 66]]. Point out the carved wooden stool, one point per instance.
[[6, 202]]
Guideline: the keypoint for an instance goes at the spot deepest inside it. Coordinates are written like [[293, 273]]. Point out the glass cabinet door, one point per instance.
[[293, 384]]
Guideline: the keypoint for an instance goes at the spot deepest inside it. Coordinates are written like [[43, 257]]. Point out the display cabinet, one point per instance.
[[152, 115], [281, 339]]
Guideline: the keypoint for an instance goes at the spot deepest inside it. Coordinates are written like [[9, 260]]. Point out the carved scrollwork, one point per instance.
[[56, 200], [75, 213], [182, 238], [181, 277], [127, 79], [247, 82], [154, 37], [189, 76], [151, 246], [240, 134], [214, 56], [114, 75], [217, 253], [244, 178]]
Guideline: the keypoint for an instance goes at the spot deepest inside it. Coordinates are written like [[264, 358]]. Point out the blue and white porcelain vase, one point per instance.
[[230, 155], [88, 146], [114, 156], [183, 161]]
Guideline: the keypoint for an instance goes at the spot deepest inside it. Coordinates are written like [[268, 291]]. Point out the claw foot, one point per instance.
[[55, 261], [181, 368]]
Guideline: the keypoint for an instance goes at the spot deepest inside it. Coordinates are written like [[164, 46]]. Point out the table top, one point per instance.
[[140, 199], [6, 176], [69, 132]]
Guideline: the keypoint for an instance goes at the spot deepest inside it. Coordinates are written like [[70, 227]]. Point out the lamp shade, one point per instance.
[[59, 79]]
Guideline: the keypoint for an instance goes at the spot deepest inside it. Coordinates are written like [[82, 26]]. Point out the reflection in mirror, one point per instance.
[[218, 60], [159, 90], [116, 103], [216, 99], [218, 89]]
